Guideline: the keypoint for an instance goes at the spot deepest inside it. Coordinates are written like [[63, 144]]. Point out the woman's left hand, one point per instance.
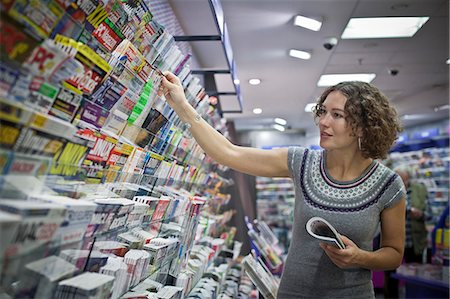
[[343, 258]]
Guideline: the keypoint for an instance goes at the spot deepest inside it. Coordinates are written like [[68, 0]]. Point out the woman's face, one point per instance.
[[335, 133]]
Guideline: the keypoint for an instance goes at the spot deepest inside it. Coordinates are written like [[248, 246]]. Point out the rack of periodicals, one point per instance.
[[275, 202], [430, 166], [100, 182], [265, 245], [263, 279]]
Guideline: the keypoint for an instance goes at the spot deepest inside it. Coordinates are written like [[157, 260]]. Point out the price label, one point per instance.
[[39, 121]]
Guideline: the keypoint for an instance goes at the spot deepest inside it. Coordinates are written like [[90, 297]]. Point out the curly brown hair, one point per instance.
[[368, 109]]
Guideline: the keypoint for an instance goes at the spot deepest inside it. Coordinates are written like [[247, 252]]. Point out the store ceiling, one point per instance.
[[262, 32]]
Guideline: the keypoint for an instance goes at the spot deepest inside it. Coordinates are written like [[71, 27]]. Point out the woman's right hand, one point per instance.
[[172, 90]]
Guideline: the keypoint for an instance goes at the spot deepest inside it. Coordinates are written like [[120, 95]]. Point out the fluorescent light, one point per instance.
[[414, 116], [257, 111], [280, 121], [236, 81], [279, 127], [307, 23], [389, 27], [299, 54], [333, 79], [309, 107], [448, 61], [254, 81], [443, 107]]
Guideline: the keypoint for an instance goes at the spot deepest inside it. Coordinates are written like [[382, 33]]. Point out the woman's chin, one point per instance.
[[323, 144]]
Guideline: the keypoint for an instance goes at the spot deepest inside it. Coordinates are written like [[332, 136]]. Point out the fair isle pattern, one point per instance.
[[330, 182], [322, 193]]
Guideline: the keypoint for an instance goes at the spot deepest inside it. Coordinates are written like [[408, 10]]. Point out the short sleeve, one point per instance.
[[397, 192], [295, 156]]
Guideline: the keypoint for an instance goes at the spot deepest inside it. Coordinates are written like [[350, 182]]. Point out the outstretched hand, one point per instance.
[[343, 258], [172, 89]]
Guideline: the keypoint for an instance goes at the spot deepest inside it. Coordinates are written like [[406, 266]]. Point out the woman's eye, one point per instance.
[[337, 115]]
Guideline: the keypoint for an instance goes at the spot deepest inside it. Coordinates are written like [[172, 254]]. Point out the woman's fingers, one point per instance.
[[170, 77]]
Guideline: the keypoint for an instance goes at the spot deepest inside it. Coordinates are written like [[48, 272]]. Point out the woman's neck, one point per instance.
[[346, 166]]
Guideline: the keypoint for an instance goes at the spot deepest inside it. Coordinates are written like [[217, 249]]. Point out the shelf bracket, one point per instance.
[[195, 38]]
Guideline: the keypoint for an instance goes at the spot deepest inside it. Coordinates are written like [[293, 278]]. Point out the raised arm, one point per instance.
[[272, 163]]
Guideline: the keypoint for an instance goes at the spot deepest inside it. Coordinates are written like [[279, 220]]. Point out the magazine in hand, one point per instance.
[[321, 229]]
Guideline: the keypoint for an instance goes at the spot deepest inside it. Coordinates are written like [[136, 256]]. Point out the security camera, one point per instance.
[[393, 72], [329, 43]]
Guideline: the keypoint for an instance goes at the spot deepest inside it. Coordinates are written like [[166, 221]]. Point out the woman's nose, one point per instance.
[[324, 119]]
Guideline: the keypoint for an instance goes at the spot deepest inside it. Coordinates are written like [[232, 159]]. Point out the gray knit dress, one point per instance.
[[352, 207]]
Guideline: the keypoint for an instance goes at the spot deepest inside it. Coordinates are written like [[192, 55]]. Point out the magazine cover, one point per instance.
[[321, 229]]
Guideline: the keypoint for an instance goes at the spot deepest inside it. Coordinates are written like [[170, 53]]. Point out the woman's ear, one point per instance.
[[359, 133]]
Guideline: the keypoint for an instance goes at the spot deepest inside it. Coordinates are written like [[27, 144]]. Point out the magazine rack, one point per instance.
[[91, 157], [263, 249], [261, 277]]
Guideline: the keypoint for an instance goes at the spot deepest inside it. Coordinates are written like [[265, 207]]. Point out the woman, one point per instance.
[[342, 183]]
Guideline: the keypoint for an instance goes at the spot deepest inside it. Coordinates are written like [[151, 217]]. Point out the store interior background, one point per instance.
[[413, 72], [261, 33]]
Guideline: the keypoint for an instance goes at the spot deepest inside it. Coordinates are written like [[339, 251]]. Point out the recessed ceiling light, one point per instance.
[[279, 127], [299, 54], [307, 23], [254, 81], [236, 81], [389, 27], [280, 121], [257, 111], [333, 79], [448, 61], [309, 107]]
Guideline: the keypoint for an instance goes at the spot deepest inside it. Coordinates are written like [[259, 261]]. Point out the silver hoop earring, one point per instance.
[[359, 143]]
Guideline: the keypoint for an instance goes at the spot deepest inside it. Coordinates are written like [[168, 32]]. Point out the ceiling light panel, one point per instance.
[[280, 121], [307, 23], [254, 81], [390, 27], [333, 79], [279, 127], [299, 54], [257, 111], [309, 107]]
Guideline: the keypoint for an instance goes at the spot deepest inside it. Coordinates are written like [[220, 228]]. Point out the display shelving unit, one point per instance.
[[430, 167], [275, 203], [100, 183]]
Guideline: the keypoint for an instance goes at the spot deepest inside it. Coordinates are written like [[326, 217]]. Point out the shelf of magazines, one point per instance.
[[209, 248], [49, 241], [221, 279], [90, 180], [30, 132], [265, 245], [431, 167], [100, 217], [209, 260], [110, 95], [91, 157], [266, 283], [44, 145], [275, 202]]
